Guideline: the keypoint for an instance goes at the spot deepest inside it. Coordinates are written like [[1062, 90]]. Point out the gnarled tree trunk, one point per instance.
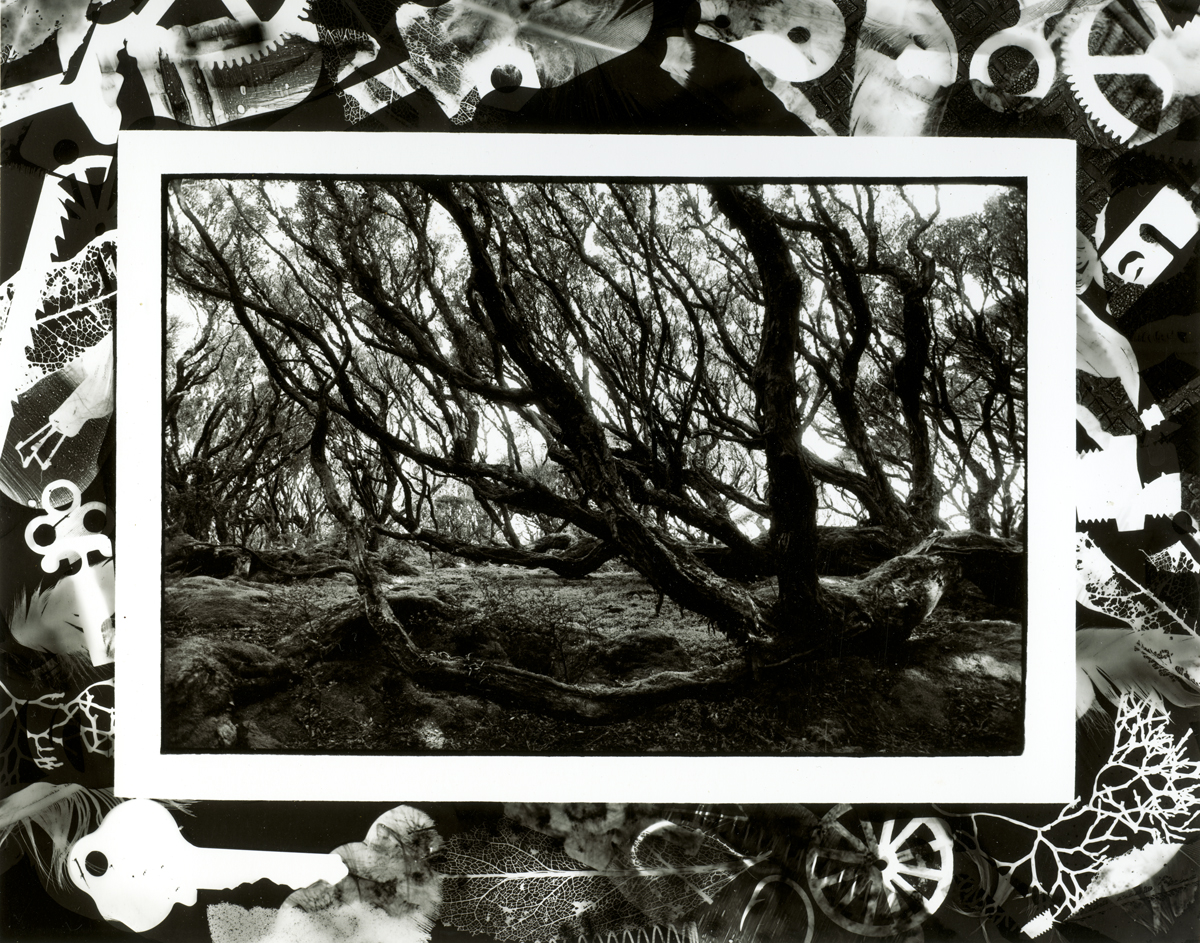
[[866, 616]]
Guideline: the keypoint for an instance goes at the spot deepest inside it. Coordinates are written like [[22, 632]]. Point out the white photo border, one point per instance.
[[1044, 773]]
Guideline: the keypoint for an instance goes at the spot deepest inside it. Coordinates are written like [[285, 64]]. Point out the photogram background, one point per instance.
[[1120, 79]]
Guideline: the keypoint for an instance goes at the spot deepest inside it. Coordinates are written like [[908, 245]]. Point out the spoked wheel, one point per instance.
[[879, 878]]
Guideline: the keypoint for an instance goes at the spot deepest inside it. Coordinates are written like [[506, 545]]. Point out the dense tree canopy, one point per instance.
[[693, 378]]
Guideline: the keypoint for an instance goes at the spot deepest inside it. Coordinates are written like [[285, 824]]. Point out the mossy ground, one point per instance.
[[954, 689]]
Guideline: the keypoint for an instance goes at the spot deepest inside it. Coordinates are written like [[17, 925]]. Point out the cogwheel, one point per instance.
[[1081, 69], [290, 20], [1176, 147]]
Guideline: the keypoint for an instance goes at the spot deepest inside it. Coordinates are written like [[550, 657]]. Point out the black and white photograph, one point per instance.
[[528, 467], [557, 478]]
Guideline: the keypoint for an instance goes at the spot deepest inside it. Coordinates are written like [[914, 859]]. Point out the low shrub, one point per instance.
[[534, 628]]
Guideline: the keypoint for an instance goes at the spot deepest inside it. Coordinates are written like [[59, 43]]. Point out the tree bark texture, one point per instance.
[[791, 489]]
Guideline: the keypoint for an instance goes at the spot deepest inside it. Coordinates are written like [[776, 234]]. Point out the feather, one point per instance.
[[1154, 664], [1128, 871], [680, 58], [65, 812], [56, 619]]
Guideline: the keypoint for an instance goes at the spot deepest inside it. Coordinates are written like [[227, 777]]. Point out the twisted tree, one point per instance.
[[228, 439], [689, 378]]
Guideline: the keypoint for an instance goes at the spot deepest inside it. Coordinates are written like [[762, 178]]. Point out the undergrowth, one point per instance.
[[536, 628], [569, 630]]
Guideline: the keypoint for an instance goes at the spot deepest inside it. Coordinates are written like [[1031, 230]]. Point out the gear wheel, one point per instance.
[[1029, 34], [1081, 66], [291, 19]]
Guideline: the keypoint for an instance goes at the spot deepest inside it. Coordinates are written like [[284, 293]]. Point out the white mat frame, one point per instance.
[[1043, 773]]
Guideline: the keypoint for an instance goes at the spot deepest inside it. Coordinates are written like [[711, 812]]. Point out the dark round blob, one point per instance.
[[94, 520], [722, 21], [43, 535], [66, 151], [96, 863], [1149, 234], [1012, 70], [799, 35], [505, 78]]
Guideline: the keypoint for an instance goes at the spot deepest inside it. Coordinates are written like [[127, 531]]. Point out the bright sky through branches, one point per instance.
[[956, 200]]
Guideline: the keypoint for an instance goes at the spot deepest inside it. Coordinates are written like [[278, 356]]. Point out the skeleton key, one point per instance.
[[136, 865]]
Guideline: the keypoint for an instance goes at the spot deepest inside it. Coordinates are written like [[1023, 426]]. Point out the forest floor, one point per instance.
[[955, 688]]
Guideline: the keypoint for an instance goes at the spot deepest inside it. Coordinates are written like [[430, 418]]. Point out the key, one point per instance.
[[136, 866]]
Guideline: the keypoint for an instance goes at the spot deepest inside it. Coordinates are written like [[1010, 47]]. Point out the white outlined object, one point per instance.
[[136, 866], [1139, 260], [73, 541]]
